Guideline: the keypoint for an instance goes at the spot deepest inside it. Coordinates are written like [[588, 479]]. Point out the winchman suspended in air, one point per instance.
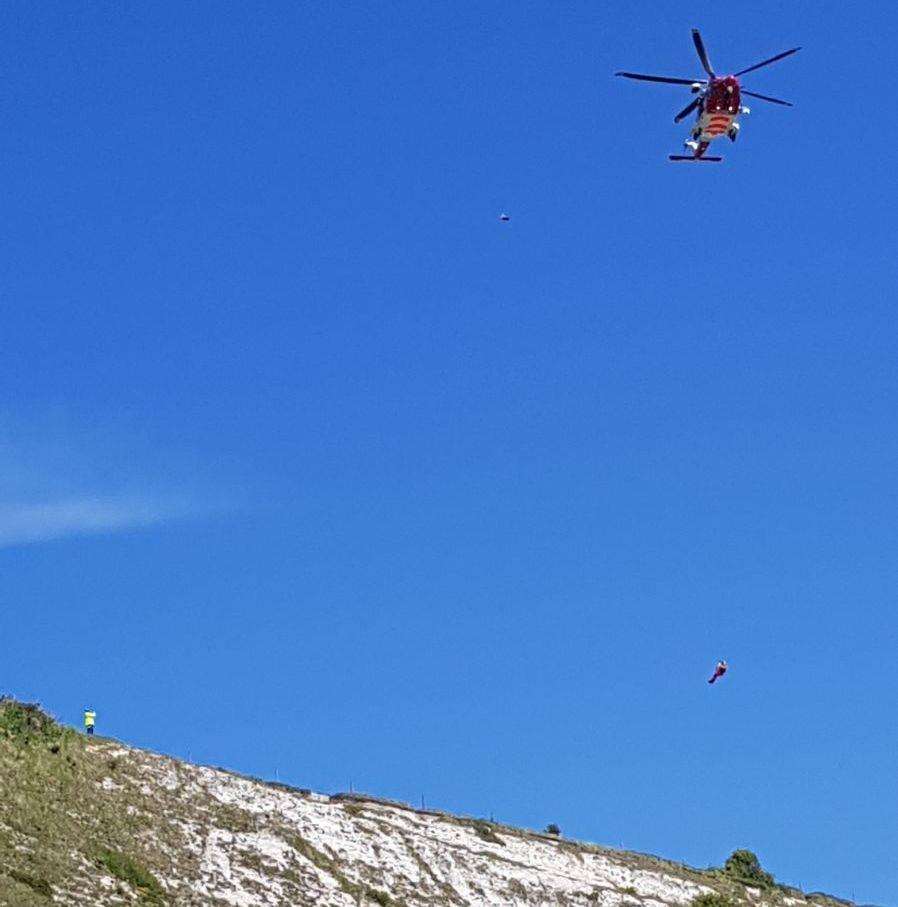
[[719, 671]]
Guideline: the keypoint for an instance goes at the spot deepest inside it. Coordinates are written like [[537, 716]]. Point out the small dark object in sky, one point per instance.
[[719, 671], [504, 218]]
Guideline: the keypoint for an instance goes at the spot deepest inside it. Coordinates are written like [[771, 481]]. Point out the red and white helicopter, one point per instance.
[[718, 102]]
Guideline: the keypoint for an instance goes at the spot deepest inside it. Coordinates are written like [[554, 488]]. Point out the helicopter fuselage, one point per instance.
[[718, 111], [718, 101]]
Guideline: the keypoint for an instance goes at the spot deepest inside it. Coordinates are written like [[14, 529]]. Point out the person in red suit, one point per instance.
[[719, 671]]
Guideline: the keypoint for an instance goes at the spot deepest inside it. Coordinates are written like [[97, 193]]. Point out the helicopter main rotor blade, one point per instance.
[[643, 78], [785, 53], [702, 53], [764, 97], [687, 110]]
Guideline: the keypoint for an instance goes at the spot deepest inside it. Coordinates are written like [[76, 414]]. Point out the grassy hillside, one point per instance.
[[55, 831], [90, 821]]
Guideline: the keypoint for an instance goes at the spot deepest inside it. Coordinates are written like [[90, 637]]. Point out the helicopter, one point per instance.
[[718, 102]]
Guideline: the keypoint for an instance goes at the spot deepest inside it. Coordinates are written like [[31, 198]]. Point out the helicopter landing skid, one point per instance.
[[690, 157]]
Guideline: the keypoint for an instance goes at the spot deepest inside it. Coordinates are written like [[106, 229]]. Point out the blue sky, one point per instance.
[[312, 468]]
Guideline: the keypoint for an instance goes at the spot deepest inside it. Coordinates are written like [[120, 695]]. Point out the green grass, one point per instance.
[[380, 897], [712, 899], [128, 870], [25, 723], [60, 816], [40, 887], [485, 831], [53, 807]]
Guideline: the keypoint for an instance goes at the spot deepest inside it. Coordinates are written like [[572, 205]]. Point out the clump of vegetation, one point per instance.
[[235, 819], [127, 870], [313, 854], [553, 829], [830, 900], [379, 897], [26, 722], [329, 865], [743, 866], [40, 887], [485, 831], [712, 899]]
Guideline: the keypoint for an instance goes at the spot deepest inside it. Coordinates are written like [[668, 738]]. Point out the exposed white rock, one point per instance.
[[227, 839]]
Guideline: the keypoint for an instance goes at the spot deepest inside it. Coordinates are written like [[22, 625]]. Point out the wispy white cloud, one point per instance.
[[63, 477], [28, 523]]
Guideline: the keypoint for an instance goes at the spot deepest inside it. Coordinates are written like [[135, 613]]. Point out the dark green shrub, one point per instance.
[[712, 899], [743, 866], [123, 867], [553, 829], [26, 721], [38, 886]]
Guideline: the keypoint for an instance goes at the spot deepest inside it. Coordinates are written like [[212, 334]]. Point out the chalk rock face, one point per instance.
[[93, 822]]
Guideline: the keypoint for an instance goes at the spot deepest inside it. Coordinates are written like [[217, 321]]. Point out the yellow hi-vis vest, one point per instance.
[[89, 718]]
